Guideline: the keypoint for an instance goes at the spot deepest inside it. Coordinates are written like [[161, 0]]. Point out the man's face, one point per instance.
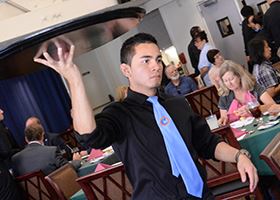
[[145, 71], [172, 73], [199, 43], [1, 115]]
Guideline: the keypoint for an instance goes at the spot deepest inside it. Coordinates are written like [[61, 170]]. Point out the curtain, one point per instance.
[[41, 94]]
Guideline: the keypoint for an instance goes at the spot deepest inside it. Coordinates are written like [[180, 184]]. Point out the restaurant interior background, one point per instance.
[[168, 20]]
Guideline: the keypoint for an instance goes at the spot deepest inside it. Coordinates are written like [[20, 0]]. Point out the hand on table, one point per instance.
[[223, 120], [242, 111], [76, 156]]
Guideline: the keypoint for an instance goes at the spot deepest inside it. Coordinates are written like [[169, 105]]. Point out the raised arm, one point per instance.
[[83, 120]]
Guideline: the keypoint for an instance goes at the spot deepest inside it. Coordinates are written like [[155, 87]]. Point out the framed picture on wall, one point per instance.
[[263, 7], [225, 27]]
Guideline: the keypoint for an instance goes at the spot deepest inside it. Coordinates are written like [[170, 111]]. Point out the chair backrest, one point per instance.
[[223, 178], [35, 186], [271, 155], [69, 138], [204, 101], [63, 181], [109, 184]]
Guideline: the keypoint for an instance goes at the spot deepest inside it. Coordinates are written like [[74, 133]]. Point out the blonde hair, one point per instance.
[[121, 92], [247, 81]]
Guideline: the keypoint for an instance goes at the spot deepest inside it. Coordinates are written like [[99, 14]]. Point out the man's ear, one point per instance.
[[126, 70]]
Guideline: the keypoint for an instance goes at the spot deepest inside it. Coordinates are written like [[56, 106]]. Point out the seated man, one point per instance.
[[36, 156], [178, 86], [51, 139]]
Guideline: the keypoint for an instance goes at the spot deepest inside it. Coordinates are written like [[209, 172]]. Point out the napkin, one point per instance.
[[95, 153], [101, 166], [237, 132]]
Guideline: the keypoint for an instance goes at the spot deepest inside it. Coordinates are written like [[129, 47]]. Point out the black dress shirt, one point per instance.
[[8, 145], [194, 56], [131, 128], [272, 23], [248, 34]]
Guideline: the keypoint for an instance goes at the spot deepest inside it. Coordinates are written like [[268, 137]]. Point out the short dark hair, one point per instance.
[[211, 55], [256, 50], [202, 35], [258, 19], [194, 30], [247, 11], [127, 50], [34, 132]]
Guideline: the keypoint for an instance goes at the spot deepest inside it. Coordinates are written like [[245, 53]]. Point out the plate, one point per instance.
[[268, 125], [96, 159], [241, 123]]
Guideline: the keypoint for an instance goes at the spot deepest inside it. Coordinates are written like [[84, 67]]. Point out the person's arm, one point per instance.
[[274, 90], [203, 71], [226, 153], [273, 109], [223, 117], [266, 99], [83, 119]]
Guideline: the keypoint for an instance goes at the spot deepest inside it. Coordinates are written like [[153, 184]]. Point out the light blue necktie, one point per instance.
[[178, 153]]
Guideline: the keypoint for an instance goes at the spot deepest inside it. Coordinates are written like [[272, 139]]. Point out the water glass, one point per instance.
[[212, 122]]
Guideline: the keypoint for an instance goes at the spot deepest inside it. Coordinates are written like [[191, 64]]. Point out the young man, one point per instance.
[[201, 42], [178, 86], [193, 51], [137, 138]]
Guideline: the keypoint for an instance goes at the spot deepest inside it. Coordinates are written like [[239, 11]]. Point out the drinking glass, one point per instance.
[[212, 122], [254, 108]]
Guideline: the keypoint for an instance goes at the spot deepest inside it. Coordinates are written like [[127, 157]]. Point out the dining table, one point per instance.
[[258, 136], [89, 167]]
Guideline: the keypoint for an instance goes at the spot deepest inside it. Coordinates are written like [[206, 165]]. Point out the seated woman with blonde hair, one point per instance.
[[239, 87], [121, 92]]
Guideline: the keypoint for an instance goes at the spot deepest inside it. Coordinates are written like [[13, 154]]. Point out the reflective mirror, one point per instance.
[[86, 33]]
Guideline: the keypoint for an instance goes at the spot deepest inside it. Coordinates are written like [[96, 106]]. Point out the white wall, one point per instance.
[[179, 16], [232, 46]]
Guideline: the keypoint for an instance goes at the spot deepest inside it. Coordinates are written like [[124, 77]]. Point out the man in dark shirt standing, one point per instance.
[[193, 51], [271, 22], [247, 32], [130, 126]]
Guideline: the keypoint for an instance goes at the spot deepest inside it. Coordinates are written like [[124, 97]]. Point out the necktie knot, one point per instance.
[[153, 99]]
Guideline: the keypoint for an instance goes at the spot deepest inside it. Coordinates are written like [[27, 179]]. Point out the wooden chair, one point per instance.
[[109, 184], [223, 179], [271, 155], [63, 181], [204, 101], [35, 186], [69, 138]]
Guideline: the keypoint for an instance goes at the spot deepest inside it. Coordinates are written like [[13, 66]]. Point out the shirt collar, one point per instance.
[[141, 98], [35, 142]]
